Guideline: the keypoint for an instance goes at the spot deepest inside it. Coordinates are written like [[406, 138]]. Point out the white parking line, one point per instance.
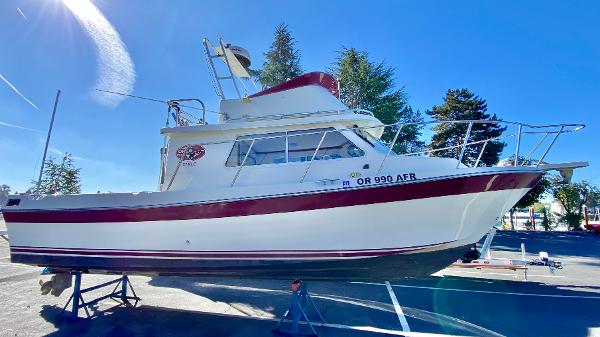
[[398, 309], [483, 291], [341, 326]]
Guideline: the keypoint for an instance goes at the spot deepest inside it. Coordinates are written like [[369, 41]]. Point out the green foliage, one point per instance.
[[546, 223], [4, 192], [528, 225], [282, 60], [534, 194], [462, 104], [593, 199], [572, 196], [368, 85], [59, 178], [540, 208]]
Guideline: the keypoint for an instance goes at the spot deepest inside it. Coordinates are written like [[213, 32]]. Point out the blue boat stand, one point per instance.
[[297, 311], [118, 294]]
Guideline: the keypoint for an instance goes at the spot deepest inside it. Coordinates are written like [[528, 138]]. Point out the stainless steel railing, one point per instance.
[[184, 118], [522, 129]]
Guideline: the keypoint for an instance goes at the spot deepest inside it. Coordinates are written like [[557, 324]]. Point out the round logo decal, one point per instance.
[[190, 152]]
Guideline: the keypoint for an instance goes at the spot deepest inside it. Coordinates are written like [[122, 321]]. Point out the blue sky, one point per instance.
[[535, 61]]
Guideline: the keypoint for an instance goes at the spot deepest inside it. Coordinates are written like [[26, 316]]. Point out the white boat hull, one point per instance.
[[339, 234]]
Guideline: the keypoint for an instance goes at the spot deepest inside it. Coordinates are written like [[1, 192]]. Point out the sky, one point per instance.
[[537, 62]]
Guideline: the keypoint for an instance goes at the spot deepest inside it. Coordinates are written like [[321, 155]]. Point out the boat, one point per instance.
[[290, 183]]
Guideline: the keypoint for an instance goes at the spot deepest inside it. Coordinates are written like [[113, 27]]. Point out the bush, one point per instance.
[[572, 220], [528, 225]]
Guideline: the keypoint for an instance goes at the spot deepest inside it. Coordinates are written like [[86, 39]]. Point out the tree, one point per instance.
[[368, 85], [530, 198], [538, 207], [462, 104], [593, 200], [534, 195], [282, 60], [4, 192], [59, 178], [572, 197]]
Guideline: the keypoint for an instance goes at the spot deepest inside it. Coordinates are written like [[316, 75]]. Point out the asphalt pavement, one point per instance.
[[453, 302]]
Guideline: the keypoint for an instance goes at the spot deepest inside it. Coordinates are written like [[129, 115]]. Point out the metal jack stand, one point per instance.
[[297, 310], [120, 295]]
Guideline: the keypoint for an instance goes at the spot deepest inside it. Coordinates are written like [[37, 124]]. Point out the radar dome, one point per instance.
[[241, 55]]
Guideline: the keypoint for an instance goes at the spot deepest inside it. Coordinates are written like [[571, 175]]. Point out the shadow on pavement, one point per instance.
[[151, 321], [450, 305]]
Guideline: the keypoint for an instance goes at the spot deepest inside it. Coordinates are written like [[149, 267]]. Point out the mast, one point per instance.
[[48, 138]]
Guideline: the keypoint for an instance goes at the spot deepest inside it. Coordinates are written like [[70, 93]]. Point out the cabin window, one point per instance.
[[292, 146], [376, 143], [270, 149]]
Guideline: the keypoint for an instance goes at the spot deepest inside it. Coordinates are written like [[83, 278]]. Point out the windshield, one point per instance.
[[377, 144]]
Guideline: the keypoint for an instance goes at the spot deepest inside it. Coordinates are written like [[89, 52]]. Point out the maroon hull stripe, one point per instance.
[[220, 254], [283, 204]]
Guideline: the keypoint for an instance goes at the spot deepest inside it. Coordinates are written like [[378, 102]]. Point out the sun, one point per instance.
[[81, 8]]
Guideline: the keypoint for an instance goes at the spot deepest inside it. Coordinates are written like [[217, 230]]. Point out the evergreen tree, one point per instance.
[[462, 104], [59, 178], [368, 85], [282, 61]]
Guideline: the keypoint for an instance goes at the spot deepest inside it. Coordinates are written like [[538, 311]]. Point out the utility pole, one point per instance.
[[48, 138]]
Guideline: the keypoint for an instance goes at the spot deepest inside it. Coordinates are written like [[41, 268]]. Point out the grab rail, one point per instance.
[[522, 130], [183, 118]]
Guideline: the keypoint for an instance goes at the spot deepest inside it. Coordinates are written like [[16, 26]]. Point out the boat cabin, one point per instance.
[[290, 133]]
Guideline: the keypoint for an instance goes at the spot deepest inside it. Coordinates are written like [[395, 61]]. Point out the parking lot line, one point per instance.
[[484, 291], [397, 307], [340, 326]]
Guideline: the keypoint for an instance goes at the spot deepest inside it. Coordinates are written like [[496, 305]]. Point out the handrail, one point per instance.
[[523, 129], [576, 127], [313, 156], [464, 146], [536, 147], [269, 117], [237, 174], [180, 120], [481, 153], [459, 145], [518, 144], [549, 147], [303, 114], [390, 148]]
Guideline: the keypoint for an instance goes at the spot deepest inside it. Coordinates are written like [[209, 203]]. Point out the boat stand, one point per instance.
[[297, 311], [118, 294]]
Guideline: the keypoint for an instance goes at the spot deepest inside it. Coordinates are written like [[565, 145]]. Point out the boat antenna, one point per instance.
[[132, 96], [152, 99]]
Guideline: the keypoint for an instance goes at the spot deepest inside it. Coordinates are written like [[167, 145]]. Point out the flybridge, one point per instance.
[[315, 93]]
